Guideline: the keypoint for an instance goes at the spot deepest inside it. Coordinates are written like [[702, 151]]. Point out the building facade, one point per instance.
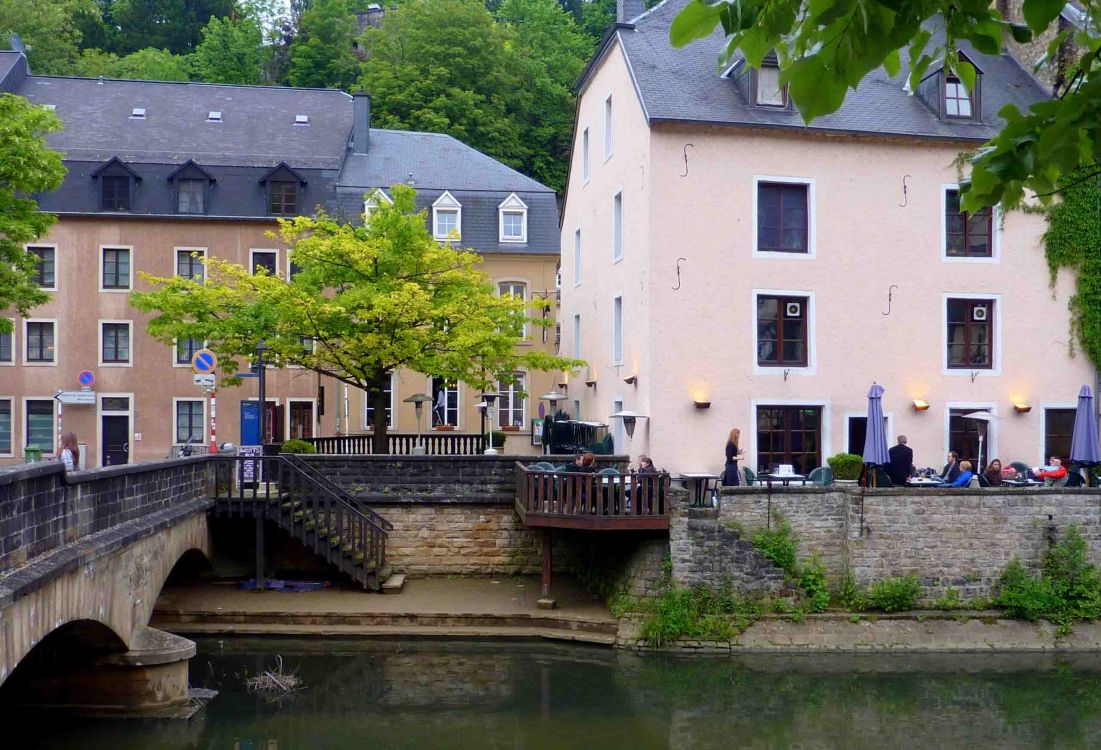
[[163, 174], [726, 265]]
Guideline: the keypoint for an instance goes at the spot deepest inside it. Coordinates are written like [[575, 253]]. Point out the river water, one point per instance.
[[437, 694]]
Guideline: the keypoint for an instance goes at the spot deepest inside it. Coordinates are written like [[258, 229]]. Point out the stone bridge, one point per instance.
[[83, 558]]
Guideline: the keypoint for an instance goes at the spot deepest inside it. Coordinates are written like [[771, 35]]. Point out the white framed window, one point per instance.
[[371, 202], [512, 220], [115, 343], [45, 276], [447, 218], [189, 263], [577, 257], [183, 351], [40, 423], [608, 128], [40, 344], [265, 259], [7, 435], [189, 421], [517, 289], [369, 408], [784, 332], [957, 100], [967, 238], [617, 226], [617, 329], [512, 402], [769, 91], [971, 329], [445, 402], [585, 156], [577, 336], [783, 217], [116, 268], [7, 345]]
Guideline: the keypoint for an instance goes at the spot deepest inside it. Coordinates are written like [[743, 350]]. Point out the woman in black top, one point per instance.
[[732, 477]]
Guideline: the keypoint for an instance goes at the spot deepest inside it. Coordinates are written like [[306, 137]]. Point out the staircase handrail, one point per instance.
[[336, 491]]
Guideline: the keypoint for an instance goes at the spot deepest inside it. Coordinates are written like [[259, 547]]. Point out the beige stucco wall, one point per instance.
[[701, 337], [153, 381]]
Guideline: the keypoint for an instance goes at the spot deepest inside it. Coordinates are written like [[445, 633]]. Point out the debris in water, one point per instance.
[[275, 683]]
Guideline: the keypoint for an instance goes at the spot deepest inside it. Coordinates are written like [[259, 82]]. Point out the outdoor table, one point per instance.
[[697, 484], [1022, 483], [783, 478], [925, 482]]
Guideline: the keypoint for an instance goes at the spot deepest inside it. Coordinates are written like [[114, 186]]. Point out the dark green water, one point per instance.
[[531, 696]]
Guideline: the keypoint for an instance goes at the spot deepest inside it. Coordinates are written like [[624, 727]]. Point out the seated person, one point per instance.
[[646, 465], [1010, 473], [585, 463], [993, 473], [1052, 474], [963, 476], [952, 468]]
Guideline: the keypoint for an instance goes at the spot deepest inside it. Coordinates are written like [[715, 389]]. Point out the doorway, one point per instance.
[[250, 423], [114, 430]]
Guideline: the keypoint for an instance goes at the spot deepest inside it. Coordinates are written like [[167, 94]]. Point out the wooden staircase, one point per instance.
[[320, 514]]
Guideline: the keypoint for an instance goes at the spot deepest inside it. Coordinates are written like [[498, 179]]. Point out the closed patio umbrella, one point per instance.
[[1084, 449], [875, 436]]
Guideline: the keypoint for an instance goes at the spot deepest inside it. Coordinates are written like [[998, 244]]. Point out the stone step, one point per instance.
[[394, 583]]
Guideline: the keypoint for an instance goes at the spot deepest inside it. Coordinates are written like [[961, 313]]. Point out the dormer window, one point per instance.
[[447, 217], [512, 220], [371, 203], [192, 183], [116, 183], [769, 91], [957, 100], [283, 185]]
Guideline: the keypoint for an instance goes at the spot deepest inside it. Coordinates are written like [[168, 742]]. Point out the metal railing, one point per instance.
[[402, 444], [592, 500]]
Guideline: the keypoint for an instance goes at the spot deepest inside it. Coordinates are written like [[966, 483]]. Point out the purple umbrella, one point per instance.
[[1083, 444], [875, 437]]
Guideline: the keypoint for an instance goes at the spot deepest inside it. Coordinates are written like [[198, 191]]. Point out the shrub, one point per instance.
[[850, 596], [777, 544], [846, 465], [297, 446], [812, 579], [497, 439], [895, 594], [698, 614], [1068, 588]]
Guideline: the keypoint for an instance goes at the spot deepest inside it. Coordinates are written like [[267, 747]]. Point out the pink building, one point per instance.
[[715, 248]]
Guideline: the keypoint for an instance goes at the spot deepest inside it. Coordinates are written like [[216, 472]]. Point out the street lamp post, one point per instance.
[[418, 400], [488, 399]]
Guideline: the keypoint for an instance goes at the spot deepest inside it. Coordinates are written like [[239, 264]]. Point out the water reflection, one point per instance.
[[463, 695]]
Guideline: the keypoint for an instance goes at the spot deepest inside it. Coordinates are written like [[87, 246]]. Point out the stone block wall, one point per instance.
[[706, 552], [42, 508]]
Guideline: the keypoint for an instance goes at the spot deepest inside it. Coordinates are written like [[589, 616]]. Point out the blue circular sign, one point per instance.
[[86, 378], [204, 361]]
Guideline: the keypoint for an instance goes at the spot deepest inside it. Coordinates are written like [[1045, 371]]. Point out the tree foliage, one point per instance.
[[231, 52], [366, 301], [321, 55], [174, 25], [49, 30], [827, 47], [27, 166]]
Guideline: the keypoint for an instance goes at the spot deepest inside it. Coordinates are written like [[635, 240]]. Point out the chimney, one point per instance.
[[628, 10], [16, 43], [361, 122]]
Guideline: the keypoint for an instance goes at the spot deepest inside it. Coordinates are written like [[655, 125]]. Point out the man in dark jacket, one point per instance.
[[902, 462], [952, 468]]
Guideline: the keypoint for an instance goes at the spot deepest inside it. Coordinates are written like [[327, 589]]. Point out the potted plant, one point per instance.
[[846, 468], [444, 428], [497, 439], [298, 446]]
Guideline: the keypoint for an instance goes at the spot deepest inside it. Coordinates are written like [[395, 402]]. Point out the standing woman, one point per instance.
[[732, 477], [70, 452]]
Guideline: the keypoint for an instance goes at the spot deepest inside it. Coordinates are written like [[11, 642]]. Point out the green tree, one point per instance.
[[95, 63], [174, 25], [826, 48], [153, 65], [27, 166], [368, 300], [321, 55], [230, 52], [48, 29]]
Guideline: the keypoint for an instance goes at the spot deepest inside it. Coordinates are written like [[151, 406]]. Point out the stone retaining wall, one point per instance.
[[708, 553]]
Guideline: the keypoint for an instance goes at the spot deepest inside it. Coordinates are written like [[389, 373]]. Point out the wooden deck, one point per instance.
[[592, 502]]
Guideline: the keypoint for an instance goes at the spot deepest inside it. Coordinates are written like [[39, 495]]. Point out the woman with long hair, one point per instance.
[[732, 477], [70, 452]]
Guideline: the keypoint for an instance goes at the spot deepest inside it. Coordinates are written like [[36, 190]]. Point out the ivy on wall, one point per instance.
[[1073, 240]]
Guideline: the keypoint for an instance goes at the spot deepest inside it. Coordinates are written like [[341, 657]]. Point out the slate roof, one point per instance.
[[684, 85]]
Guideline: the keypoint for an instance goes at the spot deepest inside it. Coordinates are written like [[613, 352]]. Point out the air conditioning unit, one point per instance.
[[980, 313], [793, 310]]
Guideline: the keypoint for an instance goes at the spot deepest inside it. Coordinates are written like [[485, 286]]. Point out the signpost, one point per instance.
[[76, 397], [203, 363], [204, 381]]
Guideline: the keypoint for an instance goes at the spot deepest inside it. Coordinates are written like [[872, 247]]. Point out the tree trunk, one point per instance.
[[380, 441]]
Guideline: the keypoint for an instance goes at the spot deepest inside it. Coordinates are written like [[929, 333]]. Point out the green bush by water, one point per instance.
[[1068, 587], [697, 614], [779, 546], [895, 594]]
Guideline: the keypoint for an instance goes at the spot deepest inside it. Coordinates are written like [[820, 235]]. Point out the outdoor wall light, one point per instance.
[[1022, 408], [631, 380], [921, 404], [591, 383], [700, 404], [564, 386]]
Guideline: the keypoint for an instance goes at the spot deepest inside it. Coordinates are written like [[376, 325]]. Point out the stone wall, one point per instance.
[[958, 538], [42, 508], [709, 553]]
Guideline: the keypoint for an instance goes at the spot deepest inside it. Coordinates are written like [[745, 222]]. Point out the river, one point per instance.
[[441, 694]]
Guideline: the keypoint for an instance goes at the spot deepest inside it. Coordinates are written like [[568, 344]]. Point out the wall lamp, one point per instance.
[[702, 404], [1022, 408], [565, 387], [631, 380], [921, 404], [591, 383]]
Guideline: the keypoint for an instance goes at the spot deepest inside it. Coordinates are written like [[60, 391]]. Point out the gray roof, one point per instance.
[[432, 161], [257, 128], [684, 85]]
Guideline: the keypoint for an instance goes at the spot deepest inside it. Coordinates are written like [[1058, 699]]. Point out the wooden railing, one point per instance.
[[592, 501], [308, 509], [402, 444]]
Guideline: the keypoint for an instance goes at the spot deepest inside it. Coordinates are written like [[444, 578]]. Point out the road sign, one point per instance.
[[76, 397], [206, 381], [86, 378], [204, 361]]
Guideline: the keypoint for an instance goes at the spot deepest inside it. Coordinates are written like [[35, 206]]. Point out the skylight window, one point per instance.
[[138, 113], [214, 116], [49, 107], [301, 119]]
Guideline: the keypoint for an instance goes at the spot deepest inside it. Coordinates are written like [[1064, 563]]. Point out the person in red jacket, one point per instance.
[[1054, 473]]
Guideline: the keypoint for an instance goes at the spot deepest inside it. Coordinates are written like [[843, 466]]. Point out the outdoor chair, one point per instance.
[[1022, 468], [541, 466], [750, 477], [1074, 477], [609, 471], [983, 481], [822, 476], [882, 478]]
